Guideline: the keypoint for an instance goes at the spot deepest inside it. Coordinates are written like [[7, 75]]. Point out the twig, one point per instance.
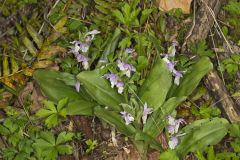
[[219, 28], [193, 26], [40, 30]]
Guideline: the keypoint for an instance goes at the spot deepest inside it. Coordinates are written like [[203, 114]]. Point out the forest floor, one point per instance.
[[54, 106]]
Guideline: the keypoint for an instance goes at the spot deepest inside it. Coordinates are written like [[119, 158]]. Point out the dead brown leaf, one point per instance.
[[167, 5]]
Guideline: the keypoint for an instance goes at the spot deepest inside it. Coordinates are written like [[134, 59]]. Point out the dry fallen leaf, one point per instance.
[[167, 5]]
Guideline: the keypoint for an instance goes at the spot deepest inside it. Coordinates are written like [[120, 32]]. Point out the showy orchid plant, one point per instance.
[[140, 106]]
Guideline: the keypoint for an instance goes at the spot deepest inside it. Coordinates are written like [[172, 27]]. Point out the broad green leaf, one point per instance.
[[67, 78], [56, 90], [191, 80], [234, 130], [157, 121], [142, 63], [169, 155], [100, 90], [53, 88], [155, 88], [116, 120], [140, 136], [80, 107], [210, 153], [200, 134]]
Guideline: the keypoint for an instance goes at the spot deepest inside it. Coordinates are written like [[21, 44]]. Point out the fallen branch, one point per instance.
[[205, 19]]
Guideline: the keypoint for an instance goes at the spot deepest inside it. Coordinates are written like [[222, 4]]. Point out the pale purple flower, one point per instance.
[[120, 87], [173, 142], [93, 32], [173, 124], [84, 60], [112, 78], [77, 86], [92, 35], [178, 75], [170, 64], [126, 68], [127, 117], [129, 50], [84, 47], [79, 46], [76, 47], [146, 112]]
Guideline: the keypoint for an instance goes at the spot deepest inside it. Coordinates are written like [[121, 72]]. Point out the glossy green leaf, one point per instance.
[[100, 90], [80, 107], [116, 120], [155, 88], [202, 133], [169, 155], [191, 80], [157, 121], [140, 136], [53, 88], [56, 90]]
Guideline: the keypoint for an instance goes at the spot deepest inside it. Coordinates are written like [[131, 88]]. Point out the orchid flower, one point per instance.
[[126, 68], [173, 142], [170, 64], [79, 46], [127, 117], [84, 60], [173, 124], [92, 35], [129, 50], [76, 47], [120, 87], [146, 112], [112, 78], [178, 75]]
